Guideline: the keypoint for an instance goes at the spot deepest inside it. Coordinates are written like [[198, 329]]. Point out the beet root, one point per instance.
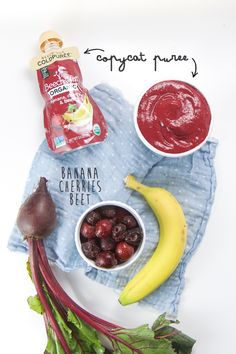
[[37, 215]]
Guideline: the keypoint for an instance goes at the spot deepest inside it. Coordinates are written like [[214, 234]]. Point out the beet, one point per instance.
[[63, 317], [37, 215]]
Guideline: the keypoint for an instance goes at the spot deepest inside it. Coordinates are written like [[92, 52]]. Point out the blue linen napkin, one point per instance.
[[95, 173]]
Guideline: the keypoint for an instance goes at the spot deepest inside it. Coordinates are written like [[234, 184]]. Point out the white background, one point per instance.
[[204, 30]]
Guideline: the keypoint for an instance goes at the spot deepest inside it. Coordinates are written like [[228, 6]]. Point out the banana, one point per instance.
[[169, 251]]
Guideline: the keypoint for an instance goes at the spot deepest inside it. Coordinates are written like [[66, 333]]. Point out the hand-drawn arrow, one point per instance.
[[194, 73], [90, 50]]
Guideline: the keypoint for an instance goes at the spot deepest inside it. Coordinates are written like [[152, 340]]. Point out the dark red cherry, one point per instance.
[[87, 230], [134, 236], [107, 244], [90, 249], [124, 251], [118, 232], [129, 221], [106, 259], [103, 228], [93, 217], [109, 212]]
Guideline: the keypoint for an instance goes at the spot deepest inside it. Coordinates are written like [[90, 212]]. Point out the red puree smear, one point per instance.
[[174, 117]]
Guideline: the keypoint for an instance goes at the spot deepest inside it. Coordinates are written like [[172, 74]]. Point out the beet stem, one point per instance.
[[62, 296], [60, 290], [37, 282], [62, 312]]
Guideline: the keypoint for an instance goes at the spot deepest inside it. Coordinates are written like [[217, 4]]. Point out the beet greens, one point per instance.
[[69, 327]]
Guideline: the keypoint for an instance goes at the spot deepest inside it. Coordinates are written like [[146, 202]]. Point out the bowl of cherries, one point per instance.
[[110, 235]]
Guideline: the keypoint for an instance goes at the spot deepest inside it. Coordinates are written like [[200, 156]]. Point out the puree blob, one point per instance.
[[173, 117]]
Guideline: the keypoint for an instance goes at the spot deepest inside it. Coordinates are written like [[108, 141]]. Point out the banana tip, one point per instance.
[[123, 301], [127, 180]]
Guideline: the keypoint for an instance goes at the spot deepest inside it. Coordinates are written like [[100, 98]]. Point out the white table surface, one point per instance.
[[203, 29]]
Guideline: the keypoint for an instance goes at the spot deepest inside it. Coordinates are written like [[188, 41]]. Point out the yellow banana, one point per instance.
[[166, 257]]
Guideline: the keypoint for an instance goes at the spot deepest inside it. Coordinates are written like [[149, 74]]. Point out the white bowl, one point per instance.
[[151, 147], [132, 212]]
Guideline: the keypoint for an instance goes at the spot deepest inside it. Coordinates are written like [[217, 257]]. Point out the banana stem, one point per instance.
[[132, 183]]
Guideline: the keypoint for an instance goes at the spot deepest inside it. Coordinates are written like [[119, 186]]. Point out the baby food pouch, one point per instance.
[[72, 119]]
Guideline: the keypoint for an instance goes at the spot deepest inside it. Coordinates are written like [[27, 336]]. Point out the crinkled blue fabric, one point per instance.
[[191, 179]]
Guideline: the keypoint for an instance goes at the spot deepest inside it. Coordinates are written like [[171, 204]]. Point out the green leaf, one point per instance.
[[59, 349], [87, 335], [29, 269], [53, 345], [182, 343], [35, 304], [72, 107], [142, 338], [161, 321], [66, 331]]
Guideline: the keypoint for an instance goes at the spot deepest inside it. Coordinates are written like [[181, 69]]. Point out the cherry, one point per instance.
[[107, 244], [109, 212], [124, 251], [87, 231], [114, 221], [90, 249], [118, 232], [134, 236], [103, 228], [93, 217], [106, 259], [129, 221], [110, 235], [120, 213]]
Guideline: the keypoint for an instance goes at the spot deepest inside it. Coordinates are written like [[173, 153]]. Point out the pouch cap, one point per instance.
[[49, 36]]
